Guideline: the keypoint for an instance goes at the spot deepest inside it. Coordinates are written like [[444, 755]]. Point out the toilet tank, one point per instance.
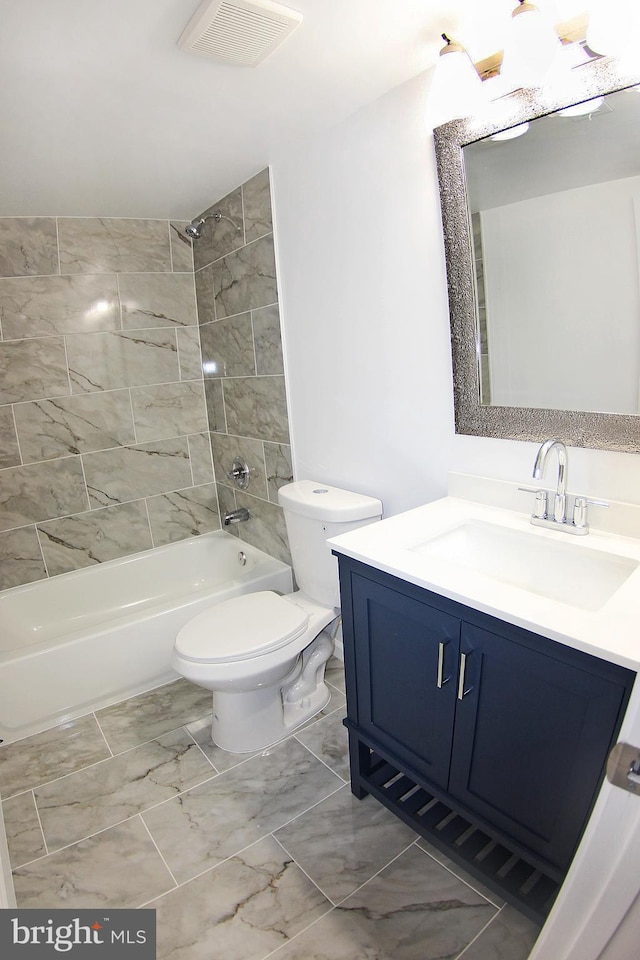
[[314, 512]]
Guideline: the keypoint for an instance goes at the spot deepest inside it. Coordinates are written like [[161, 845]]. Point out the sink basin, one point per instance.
[[553, 569]]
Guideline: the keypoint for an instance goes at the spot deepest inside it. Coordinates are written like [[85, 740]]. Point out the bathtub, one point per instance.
[[91, 637]]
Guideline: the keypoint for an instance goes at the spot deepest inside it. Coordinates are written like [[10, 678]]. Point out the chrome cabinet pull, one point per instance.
[[441, 677], [463, 669]]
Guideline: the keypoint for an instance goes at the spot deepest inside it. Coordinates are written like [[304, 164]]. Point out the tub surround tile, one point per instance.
[[257, 407], [31, 369], [152, 714], [186, 513], [225, 448], [106, 361], [266, 529], [256, 195], [119, 867], [90, 800], [113, 245], [9, 450], [157, 300], [413, 910], [268, 340], [364, 838], [28, 246], [20, 558], [169, 409], [205, 295], [24, 834], [85, 539], [240, 910], [215, 405], [201, 462], [327, 739], [277, 457], [41, 491], [219, 238], [245, 279], [46, 306], [46, 756], [217, 819], [131, 473], [189, 355], [227, 347], [78, 424], [509, 936], [181, 247]]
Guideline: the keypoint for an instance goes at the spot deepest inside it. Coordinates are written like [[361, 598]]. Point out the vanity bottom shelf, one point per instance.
[[503, 870]]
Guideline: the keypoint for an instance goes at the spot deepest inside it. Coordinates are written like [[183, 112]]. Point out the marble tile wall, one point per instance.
[[104, 436], [237, 295]]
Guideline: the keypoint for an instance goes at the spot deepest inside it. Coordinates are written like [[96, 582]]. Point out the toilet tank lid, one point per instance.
[[310, 498]]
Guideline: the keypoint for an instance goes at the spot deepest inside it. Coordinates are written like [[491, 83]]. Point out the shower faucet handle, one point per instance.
[[240, 473]]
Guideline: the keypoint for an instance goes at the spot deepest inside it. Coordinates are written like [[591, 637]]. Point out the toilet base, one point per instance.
[[247, 721]]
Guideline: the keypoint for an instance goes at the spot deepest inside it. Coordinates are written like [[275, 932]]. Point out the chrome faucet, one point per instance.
[[560, 501], [556, 519], [236, 516]]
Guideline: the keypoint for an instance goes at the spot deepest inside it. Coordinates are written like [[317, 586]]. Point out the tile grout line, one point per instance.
[[94, 714], [160, 854], [456, 875], [301, 868], [208, 759], [480, 932], [44, 837]]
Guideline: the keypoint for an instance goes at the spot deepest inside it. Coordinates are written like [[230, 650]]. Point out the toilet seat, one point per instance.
[[242, 628]]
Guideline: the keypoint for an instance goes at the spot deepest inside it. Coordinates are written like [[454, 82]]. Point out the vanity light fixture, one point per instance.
[[533, 48], [456, 91], [614, 28]]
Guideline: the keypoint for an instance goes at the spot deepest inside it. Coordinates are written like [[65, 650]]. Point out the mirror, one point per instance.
[[542, 241]]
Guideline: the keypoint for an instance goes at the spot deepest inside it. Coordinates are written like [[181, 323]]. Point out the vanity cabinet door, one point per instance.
[[406, 657], [532, 731]]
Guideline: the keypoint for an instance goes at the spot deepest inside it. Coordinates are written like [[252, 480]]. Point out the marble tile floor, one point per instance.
[[243, 857]]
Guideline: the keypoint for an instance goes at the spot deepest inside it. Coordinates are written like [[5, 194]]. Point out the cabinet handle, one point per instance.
[[441, 678], [463, 668]]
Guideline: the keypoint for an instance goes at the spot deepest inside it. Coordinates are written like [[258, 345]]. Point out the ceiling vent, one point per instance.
[[244, 32]]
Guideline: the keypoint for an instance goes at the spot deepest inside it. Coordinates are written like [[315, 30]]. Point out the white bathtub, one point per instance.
[[92, 637]]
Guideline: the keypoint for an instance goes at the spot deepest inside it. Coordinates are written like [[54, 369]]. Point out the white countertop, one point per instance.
[[611, 632]]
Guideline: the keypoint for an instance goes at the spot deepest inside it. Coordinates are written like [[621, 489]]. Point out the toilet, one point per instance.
[[263, 655]]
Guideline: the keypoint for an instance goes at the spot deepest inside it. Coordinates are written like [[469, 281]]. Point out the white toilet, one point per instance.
[[263, 655]]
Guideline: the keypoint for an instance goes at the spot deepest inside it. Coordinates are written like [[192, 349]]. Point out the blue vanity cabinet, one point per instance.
[[482, 735]]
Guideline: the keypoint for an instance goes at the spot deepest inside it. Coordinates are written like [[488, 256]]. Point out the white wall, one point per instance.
[[364, 306]]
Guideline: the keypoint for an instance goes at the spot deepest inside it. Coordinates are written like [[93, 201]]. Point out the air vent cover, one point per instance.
[[244, 32]]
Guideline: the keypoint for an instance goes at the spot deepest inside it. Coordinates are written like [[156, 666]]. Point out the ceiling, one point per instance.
[[103, 115]]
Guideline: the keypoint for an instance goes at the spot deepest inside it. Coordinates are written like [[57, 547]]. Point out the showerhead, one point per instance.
[[194, 229]]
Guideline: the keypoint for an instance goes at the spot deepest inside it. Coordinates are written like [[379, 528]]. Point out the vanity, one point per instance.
[[489, 665]]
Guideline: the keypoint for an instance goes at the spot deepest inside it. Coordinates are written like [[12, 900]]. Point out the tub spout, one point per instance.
[[236, 516]]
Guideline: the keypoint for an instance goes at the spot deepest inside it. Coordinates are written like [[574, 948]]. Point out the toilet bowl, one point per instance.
[[263, 655]]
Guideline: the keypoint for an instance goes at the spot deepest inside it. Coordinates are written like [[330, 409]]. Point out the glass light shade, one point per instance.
[[512, 132], [533, 49], [456, 90], [581, 109], [613, 27]]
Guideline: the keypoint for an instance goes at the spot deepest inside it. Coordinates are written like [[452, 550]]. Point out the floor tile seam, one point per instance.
[[160, 854], [318, 757], [135, 813], [253, 841], [300, 867], [210, 869], [282, 946], [104, 736], [480, 932], [164, 733], [44, 839], [376, 874], [208, 759], [462, 879], [114, 756]]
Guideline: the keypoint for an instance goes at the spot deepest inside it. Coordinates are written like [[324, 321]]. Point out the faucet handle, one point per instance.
[[580, 509], [541, 504]]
